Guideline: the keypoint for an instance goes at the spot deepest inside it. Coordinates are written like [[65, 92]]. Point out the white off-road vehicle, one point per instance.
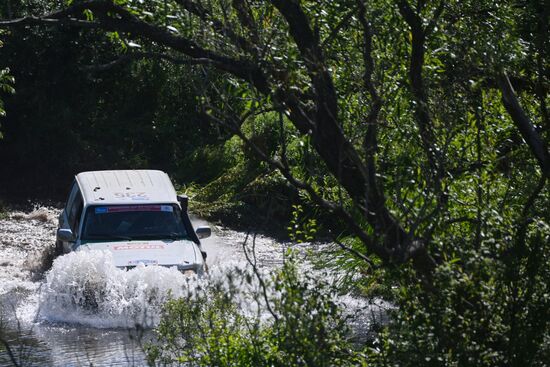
[[134, 214]]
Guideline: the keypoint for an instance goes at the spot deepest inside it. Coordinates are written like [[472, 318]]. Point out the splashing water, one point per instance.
[[86, 288], [85, 297]]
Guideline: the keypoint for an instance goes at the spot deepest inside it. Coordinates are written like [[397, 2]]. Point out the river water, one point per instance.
[[43, 327]]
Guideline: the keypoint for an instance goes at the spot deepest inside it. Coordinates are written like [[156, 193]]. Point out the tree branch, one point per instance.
[[370, 143], [525, 126], [382, 252], [199, 11], [256, 271], [27, 21], [129, 23], [246, 18], [337, 151], [422, 112], [354, 252], [300, 29], [126, 58], [345, 21]]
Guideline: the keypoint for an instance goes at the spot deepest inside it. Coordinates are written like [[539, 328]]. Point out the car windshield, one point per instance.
[[133, 222]]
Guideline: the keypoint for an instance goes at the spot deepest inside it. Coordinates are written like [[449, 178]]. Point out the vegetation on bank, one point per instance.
[[249, 319], [3, 211], [415, 133]]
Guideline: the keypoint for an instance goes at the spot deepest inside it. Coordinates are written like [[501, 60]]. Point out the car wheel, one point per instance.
[[58, 248], [204, 270]]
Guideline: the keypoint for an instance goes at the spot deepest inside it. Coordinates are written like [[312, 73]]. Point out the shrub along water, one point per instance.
[[287, 319]]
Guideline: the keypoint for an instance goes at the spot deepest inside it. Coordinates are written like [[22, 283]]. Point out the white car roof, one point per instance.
[[126, 187]]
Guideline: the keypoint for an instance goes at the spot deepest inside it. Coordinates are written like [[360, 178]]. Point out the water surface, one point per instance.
[[44, 326]]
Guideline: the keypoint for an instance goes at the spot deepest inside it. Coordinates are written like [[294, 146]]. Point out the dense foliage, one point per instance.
[[287, 320], [68, 116], [420, 129]]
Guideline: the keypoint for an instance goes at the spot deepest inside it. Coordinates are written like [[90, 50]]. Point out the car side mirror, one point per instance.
[[184, 201], [203, 232], [65, 235]]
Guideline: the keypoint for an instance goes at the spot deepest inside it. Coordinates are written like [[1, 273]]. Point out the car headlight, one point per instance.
[[189, 272]]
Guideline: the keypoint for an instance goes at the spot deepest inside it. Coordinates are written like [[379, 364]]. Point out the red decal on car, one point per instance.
[[134, 208]]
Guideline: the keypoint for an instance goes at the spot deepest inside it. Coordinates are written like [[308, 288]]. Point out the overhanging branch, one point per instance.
[[525, 126], [126, 58], [111, 17], [382, 252]]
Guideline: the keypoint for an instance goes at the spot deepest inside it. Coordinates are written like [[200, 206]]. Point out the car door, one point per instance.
[[64, 216], [71, 215]]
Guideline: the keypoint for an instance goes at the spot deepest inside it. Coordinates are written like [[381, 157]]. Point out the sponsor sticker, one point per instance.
[[133, 208], [138, 246], [144, 262], [131, 195]]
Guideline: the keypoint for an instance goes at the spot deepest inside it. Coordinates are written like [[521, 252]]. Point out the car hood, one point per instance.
[[166, 253]]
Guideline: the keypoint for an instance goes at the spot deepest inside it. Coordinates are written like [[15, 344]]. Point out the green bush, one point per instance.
[[221, 325], [244, 192], [483, 310]]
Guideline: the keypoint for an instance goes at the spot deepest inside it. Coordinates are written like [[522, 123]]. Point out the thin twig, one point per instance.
[[354, 252], [253, 263]]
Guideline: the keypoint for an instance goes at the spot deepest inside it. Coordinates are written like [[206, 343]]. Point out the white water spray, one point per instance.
[[86, 288]]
